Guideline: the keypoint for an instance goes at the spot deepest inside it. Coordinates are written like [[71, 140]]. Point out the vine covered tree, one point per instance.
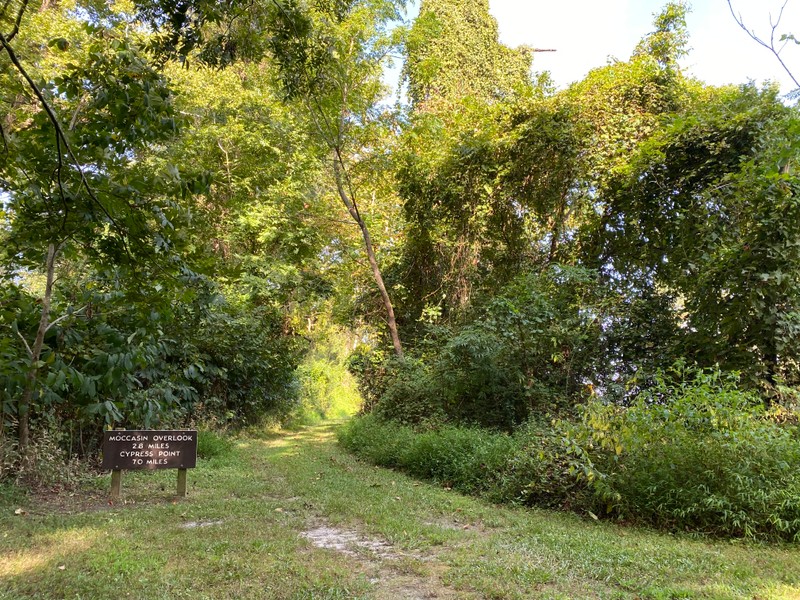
[[452, 52]]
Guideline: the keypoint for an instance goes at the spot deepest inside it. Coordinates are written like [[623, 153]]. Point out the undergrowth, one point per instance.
[[691, 454]]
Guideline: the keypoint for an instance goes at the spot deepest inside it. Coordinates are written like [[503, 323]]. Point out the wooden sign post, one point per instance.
[[149, 449]]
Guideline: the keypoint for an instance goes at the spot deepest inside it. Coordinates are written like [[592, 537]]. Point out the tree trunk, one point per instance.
[[35, 353], [556, 228], [352, 208], [770, 358]]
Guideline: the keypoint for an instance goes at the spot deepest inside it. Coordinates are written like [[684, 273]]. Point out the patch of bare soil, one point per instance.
[[200, 524], [74, 499], [64, 500], [396, 575], [394, 586], [348, 542]]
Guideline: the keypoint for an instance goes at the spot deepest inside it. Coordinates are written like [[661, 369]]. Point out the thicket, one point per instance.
[[693, 453], [528, 350], [178, 363]]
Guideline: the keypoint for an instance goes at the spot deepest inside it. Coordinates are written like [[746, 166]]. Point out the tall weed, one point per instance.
[[470, 460], [694, 453]]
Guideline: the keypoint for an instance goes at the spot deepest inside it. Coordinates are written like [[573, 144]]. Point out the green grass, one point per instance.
[[257, 498]]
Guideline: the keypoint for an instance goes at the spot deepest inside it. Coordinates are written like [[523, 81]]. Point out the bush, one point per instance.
[[541, 471], [381, 443], [529, 350], [477, 382], [465, 459], [243, 362], [411, 397], [693, 453], [373, 372], [470, 460], [397, 389], [48, 465]]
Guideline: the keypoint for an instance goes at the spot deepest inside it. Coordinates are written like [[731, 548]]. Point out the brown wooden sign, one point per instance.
[[149, 449]]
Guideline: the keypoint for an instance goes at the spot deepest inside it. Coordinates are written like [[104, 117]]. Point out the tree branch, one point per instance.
[[61, 183], [59, 130], [18, 20], [6, 4], [27, 347], [66, 316], [771, 45], [73, 121], [227, 164], [5, 139], [309, 215], [315, 115]]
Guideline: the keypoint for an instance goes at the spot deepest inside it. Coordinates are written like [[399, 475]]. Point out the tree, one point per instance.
[[68, 141], [464, 229], [453, 52], [708, 210], [329, 59]]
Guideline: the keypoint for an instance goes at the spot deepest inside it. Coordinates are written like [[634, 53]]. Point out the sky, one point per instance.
[[586, 33]]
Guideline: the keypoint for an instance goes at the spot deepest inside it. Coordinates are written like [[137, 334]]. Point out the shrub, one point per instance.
[[466, 459], [243, 362], [411, 397], [373, 372], [541, 470], [476, 382], [693, 453], [48, 464], [529, 350], [397, 389], [470, 460], [381, 443]]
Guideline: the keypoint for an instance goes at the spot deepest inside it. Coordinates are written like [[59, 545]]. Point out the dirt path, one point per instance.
[[395, 571]]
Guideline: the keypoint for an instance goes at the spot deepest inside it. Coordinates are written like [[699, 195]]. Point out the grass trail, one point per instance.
[[293, 516]]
